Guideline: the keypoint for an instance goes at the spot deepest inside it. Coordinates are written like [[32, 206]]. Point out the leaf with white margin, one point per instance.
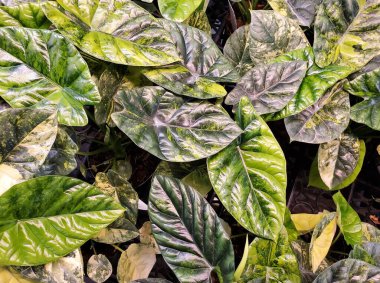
[[271, 34], [41, 67], [269, 87], [323, 121], [171, 127], [117, 31], [26, 138], [249, 176], [321, 239], [337, 159]]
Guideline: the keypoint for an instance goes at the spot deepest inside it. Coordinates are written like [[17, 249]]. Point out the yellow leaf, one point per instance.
[[8, 276], [305, 222]]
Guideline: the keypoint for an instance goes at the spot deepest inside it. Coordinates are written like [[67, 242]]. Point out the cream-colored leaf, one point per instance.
[[99, 268], [306, 222], [9, 176], [146, 236]]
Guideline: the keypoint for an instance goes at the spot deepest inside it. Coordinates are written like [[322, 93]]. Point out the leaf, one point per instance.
[[306, 222], [272, 34], [178, 10], [269, 87], [338, 159], [29, 15], [237, 48], [116, 31], [7, 275], [199, 20], [61, 158], [290, 226], [239, 270], [366, 86], [321, 239], [370, 233], [300, 10], [350, 270], [316, 82], [146, 236], [323, 121], [368, 252], [118, 232], [171, 128], [270, 261], [184, 223], [66, 269], [99, 268], [151, 280], [346, 32], [45, 68], [49, 217], [25, 140], [316, 181], [249, 176], [348, 220], [135, 263], [202, 65]]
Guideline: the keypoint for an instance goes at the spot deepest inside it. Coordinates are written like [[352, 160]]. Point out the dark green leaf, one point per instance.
[[249, 176], [49, 217], [368, 252], [172, 128], [45, 68], [184, 223], [118, 31], [29, 15]]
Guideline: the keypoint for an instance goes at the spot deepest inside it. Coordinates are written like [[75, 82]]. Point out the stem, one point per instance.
[[336, 238], [238, 236], [117, 248], [95, 152], [339, 253]]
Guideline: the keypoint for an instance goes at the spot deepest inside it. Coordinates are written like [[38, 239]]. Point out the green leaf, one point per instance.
[[300, 10], [61, 158], [368, 252], [49, 217], [316, 181], [269, 87], [323, 121], [199, 20], [29, 15], [237, 48], [184, 223], [45, 69], [272, 34], [290, 226], [348, 220], [350, 270], [116, 31], [203, 64], [346, 32], [26, 138], [172, 128], [321, 239], [270, 261], [249, 176], [338, 159], [239, 270], [178, 10], [370, 233]]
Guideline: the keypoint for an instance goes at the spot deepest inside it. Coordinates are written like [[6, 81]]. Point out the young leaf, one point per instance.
[[49, 217], [301, 10], [178, 10], [45, 68], [117, 31], [183, 222], [338, 159], [321, 239], [305, 222], [249, 176], [323, 121], [350, 270], [316, 181], [202, 65], [26, 138], [99, 268], [346, 34], [348, 220], [172, 128], [269, 87], [236, 50], [29, 15], [270, 261], [272, 34]]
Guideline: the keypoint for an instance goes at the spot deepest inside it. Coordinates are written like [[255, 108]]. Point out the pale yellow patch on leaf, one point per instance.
[[9, 177], [306, 222]]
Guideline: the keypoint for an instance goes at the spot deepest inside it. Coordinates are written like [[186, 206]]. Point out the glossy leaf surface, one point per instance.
[[171, 128], [118, 31], [29, 15], [184, 223], [323, 121], [249, 176], [49, 217], [178, 10], [41, 67], [269, 87], [338, 159]]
